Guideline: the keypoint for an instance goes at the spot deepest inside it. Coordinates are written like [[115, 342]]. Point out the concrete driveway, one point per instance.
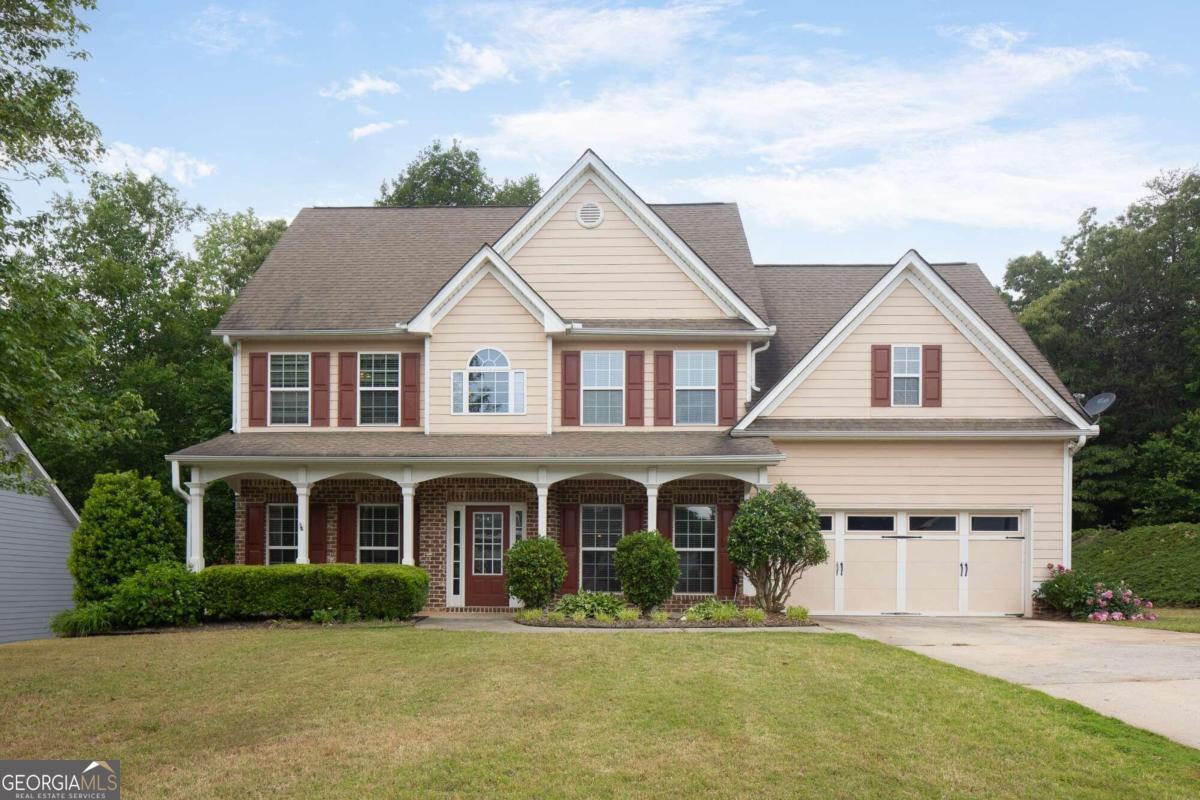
[[1148, 678]]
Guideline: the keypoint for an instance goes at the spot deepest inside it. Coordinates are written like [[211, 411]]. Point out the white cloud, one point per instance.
[[819, 30], [360, 85], [161, 161], [372, 128], [222, 31], [988, 36], [545, 40]]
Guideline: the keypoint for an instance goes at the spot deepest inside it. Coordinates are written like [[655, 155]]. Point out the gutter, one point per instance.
[[753, 365], [765, 458], [578, 329], [399, 327], [1019, 434]]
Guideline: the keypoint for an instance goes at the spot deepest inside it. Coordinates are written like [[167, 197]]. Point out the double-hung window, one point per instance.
[[379, 534], [282, 533], [379, 388], [488, 385], [906, 375], [289, 389], [603, 387], [695, 387], [695, 540], [601, 527]]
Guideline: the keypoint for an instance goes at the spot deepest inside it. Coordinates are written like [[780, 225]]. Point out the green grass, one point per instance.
[[1184, 620], [1159, 562], [391, 711]]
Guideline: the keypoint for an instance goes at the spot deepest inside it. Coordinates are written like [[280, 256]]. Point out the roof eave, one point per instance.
[[758, 459], [1064, 434]]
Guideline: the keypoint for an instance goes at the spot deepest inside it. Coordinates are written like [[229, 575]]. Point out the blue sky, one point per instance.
[[974, 132]]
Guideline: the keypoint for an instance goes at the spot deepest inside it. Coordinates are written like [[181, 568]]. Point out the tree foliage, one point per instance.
[[775, 536], [454, 176]]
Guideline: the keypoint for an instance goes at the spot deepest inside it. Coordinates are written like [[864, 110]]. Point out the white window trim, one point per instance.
[[267, 548], [360, 389], [892, 376], [512, 373], [675, 387], [598, 549], [584, 389], [713, 549], [307, 391], [399, 548]]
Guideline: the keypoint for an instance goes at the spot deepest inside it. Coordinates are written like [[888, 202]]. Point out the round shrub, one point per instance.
[[535, 569], [160, 595], [648, 568], [127, 524], [774, 537]]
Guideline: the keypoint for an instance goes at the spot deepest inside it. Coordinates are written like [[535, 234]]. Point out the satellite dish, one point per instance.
[[1099, 404]]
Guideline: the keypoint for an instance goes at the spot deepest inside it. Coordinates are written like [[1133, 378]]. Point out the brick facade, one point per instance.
[[432, 498]]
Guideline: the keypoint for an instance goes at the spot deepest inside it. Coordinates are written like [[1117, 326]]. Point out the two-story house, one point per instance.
[[428, 385]]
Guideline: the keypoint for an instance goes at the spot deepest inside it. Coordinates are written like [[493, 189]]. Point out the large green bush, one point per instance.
[[775, 536], [535, 568], [647, 567], [160, 595], [127, 524], [1162, 561], [295, 591]]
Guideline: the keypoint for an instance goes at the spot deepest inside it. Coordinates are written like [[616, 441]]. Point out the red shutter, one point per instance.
[[931, 375], [258, 389], [570, 386], [256, 529], [347, 391], [635, 517], [727, 387], [881, 375], [664, 410], [664, 523], [410, 393], [569, 532], [347, 541], [320, 390], [725, 571], [318, 532], [635, 387]]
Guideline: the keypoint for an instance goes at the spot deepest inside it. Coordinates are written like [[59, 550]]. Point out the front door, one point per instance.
[[487, 540]]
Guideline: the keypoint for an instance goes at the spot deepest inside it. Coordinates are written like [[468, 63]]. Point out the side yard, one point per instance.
[[360, 710]]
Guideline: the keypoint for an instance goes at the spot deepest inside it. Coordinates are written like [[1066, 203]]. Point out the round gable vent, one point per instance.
[[590, 215]]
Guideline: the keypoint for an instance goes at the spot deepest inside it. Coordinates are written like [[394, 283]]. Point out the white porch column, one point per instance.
[[408, 492], [543, 495], [195, 527], [302, 523], [652, 508]]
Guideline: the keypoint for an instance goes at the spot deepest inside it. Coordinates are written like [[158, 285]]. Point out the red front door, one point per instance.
[[487, 541]]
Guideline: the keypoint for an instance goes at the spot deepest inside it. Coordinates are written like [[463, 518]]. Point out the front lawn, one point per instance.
[[1185, 620], [368, 711], [1160, 562]]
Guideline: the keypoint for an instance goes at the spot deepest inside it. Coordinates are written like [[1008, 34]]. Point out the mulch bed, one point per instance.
[[772, 621]]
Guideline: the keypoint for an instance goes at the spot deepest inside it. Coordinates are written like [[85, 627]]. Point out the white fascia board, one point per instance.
[[918, 435], [964, 318], [35, 466], [485, 262], [453, 459], [575, 329], [234, 334], [589, 166]]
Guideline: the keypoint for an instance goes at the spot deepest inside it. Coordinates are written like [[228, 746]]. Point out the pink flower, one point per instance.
[[1061, 568], [1107, 595], [1152, 617], [1149, 604], [1100, 616], [1117, 616], [1137, 601], [1103, 603]]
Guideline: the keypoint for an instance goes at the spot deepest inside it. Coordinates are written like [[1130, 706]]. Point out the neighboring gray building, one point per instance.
[[35, 539]]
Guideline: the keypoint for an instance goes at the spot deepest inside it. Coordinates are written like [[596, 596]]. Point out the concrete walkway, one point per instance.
[[1148, 678]]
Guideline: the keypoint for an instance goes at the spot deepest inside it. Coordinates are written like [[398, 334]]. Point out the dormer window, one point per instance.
[[488, 385], [906, 375]]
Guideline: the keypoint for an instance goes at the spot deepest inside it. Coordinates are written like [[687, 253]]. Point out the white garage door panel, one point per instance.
[[931, 576], [815, 589], [994, 579], [869, 575]]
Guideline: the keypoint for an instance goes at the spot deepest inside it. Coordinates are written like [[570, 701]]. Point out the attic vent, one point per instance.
[[589, 215]]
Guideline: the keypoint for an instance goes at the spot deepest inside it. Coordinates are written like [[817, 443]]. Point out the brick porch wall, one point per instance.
[[433, 496]]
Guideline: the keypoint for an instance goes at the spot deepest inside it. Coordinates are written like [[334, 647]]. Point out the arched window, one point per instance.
[[487, 385]]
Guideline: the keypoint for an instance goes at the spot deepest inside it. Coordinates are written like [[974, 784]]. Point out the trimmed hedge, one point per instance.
[[1160, 562], [295, 591]]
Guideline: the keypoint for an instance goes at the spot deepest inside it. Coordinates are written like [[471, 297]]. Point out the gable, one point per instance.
[[611, 271], [972, 386]]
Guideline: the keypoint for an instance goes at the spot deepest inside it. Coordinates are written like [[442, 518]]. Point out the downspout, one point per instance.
[[1068, 492], [754, 365], [187, 498]]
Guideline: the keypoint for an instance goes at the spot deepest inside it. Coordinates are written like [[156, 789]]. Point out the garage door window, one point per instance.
[[996, 524], [930, 524], [861, 523], [826, 523]]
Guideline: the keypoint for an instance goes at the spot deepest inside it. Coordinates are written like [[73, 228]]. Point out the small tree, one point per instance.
[[127, 523], [535, 568], [648, 568], [775, 536]]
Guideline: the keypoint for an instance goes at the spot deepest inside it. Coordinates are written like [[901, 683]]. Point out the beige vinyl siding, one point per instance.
[[971, 386], [610, 271], [331, 345], [488, 316], [648, 348], [934, 476]]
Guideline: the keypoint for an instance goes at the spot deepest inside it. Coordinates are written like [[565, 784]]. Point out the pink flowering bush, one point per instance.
[[1078, 595]]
